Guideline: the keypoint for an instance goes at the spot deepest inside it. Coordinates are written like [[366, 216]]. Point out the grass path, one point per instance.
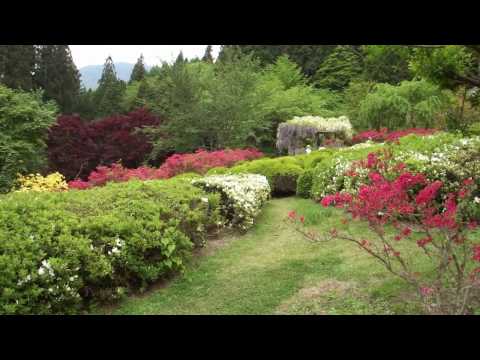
[[273, 270]]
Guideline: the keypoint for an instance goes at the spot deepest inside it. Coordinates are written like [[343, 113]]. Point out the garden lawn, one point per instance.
[[272, 269]]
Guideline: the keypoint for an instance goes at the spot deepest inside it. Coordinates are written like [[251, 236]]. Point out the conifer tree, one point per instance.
[[17, 64], [57, 75], [110, 90], [138, 72], [208, 57]]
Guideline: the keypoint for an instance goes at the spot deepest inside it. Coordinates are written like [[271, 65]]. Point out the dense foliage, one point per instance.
[[409, 104], [76, 147], [24, 121], [61, 251]]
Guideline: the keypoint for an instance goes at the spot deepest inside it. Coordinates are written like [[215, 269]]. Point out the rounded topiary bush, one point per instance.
[[281, 173], [304, 184]]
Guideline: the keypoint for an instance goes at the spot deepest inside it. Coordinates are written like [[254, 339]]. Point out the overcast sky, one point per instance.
[[154, 54]]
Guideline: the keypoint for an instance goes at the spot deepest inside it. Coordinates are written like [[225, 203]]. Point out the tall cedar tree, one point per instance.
[[208, 57], [17, 64], [138, 72], [340, 67], [109, 93], [57, 74]]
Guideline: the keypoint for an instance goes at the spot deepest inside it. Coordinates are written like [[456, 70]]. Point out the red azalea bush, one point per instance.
[[76, 147], [201, 161], [439, 229], [198, 162], [383, 134]]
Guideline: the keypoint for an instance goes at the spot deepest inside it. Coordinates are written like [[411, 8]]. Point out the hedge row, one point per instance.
[[60, 252], [321, 172]]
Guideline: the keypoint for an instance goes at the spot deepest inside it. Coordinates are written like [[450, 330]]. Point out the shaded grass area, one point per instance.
[[273, 270]]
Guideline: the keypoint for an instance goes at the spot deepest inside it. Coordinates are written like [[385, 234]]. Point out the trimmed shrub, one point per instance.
[[61, 251], [304, 184], [242, 196], [281, 173]]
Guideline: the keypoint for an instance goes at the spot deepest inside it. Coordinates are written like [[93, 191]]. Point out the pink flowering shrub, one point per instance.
[[383, 134], [201, 161], [198, 162], [404, 209]]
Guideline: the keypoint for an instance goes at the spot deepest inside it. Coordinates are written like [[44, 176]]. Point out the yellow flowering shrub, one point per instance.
[[37, 182]]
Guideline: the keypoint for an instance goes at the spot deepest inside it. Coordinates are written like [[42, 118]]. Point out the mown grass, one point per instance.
[[273, 270]]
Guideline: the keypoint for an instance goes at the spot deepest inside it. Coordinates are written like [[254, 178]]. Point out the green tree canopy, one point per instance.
[[343, 65], [24, 121]]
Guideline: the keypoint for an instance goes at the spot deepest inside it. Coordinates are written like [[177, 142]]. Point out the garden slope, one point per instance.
[[273, 270]]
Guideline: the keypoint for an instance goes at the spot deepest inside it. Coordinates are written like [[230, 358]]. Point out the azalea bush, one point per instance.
[[450, 162], [37, 182], [198, 162], [329, 176], [242, 196], [201, 161], [410, 221], [62, 251], [383, 134]]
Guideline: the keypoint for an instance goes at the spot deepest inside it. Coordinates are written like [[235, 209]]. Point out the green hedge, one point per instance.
[[59, 252], [282, 173]]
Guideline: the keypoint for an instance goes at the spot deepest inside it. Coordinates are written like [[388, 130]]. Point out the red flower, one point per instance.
[[468, 182], [407, 231], [302, 219], [476, 252], [292, 214], [428, 193]]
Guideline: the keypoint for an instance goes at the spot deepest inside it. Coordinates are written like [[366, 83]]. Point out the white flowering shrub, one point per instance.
[[242, 196], [328, 177], [450, 163]]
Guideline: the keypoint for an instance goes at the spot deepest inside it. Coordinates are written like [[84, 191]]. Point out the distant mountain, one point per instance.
[[92, 73]]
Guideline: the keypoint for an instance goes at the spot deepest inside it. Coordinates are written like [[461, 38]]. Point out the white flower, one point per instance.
[[41, 271], [204, 199], [476, 200]]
